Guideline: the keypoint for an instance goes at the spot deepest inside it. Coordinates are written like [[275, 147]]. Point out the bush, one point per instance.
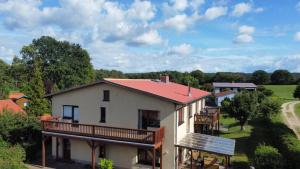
[[106, 164], [11, 157], [21, 129], [267, 157]]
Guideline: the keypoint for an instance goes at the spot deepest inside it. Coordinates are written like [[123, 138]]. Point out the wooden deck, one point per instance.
[[113, 133]]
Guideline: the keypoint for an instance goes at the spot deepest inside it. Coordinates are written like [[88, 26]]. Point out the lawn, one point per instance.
[[282, 91], [255, 133], [297, 109]]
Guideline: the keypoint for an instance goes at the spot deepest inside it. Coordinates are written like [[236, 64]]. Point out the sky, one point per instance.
[[143, 36]]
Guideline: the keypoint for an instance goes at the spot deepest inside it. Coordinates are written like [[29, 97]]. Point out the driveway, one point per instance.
[[290, 118]]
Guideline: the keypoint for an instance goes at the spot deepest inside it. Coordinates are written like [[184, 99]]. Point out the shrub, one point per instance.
[[11, 157], [267, 157], [106, 164], [21, 129]]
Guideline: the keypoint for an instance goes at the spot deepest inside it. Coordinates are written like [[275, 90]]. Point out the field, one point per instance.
[[284, 92]]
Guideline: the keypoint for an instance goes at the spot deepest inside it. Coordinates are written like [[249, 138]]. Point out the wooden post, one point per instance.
[[93, 155], [161, 156], [57, 144], [226, 162], [153, 160], [191, 165], [43, 152]]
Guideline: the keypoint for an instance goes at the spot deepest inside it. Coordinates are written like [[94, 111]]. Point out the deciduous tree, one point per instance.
[[260, 77]]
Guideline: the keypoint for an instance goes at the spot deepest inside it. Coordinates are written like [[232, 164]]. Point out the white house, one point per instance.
[[236, 87], [219, 97]]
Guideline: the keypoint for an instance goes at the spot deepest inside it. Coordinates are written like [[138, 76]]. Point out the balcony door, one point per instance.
[[148, 118], [66, 149]]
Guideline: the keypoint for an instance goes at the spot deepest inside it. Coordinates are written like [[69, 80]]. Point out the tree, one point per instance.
[[260, 77], [228, 77], [38, 105], [296, 93], [198, 74], [269, 107], [62, 63], [281, 77], [243, 106]]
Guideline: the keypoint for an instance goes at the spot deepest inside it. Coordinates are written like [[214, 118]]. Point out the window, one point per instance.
[[106, 95], [67, 112], [71, 112], [101, 151], [102, 114], [180, 116], [191, 110]]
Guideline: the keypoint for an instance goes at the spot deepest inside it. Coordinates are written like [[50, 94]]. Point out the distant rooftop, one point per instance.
[[9, 105], [16, 95], [239, 85], [224, 93]]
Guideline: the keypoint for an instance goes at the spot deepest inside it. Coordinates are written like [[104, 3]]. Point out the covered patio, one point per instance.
[[200, 144]]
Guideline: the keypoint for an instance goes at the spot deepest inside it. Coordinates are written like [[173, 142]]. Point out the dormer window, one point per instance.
[[106, 95]]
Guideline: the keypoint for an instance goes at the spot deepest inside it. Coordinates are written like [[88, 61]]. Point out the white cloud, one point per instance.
[[243, 38], [179, 22], [180, 5], [195, 4], [241, 9], [149, 38], [297, 36], [6, 54], [142, 10], [182, 49], [244, 29], [244, 35], [215, 12]]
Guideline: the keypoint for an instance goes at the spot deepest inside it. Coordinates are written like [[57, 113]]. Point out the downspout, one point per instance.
[[176, 155]]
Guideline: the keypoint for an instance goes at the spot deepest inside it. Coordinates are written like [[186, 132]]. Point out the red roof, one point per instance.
[[171, 91], [15, 95], [10, 106]]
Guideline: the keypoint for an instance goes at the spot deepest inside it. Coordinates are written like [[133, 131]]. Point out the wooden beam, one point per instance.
[[153, 158], [43, 152], [93, 155], [57, 149], [191, 158], [161, 156]]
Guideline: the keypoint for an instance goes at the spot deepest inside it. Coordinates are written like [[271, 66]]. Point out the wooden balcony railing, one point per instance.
[[113, 133], [209, 118]]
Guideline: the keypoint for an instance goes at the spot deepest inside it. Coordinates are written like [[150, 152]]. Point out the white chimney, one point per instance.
[[164, 78], [189, 90]]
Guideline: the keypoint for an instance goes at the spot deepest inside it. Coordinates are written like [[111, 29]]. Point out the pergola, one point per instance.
[[210, 144]]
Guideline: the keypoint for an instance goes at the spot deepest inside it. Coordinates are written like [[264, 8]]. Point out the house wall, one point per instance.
[[121, 111], [219, 100], [21, 102]]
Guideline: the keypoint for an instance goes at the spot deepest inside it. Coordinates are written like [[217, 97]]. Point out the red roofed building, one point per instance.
[[9, 105], [19, 98], [129, 121]]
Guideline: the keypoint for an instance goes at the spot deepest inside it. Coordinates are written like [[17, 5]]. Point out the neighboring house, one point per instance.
[[10, 106], [134, 122], [19, 98], [219, 97], [236, 87]]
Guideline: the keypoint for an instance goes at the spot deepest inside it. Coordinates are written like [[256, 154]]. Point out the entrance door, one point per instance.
[[66, 149]]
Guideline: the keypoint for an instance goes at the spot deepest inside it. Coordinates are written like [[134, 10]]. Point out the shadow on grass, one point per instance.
[[240, 165]]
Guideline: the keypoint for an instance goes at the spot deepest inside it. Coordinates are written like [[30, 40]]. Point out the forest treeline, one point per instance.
[[51, 65]]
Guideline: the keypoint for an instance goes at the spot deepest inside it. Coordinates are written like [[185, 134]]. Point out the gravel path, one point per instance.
[[290, 118]]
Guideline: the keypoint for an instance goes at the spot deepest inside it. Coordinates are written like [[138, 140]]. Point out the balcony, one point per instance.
[[104, 132]]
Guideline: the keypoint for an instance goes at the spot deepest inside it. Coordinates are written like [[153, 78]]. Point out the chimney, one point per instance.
[[189, 90], [164, 78]]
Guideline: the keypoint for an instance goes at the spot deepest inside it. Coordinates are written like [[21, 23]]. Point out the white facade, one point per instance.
[[122, 111]]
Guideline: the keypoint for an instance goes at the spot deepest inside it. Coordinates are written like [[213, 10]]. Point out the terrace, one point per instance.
[[93, 134]]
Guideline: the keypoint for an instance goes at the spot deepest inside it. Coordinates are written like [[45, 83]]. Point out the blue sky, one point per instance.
[[184, 35]]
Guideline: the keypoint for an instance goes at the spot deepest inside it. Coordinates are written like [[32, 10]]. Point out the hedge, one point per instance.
[[287, 143], [267, 157]]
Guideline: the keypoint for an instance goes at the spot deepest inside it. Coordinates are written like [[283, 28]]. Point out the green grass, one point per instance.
[[284, 92], [255, 133], [297, 109]]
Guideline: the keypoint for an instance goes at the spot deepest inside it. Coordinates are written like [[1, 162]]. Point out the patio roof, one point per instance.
[[207, 143]]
